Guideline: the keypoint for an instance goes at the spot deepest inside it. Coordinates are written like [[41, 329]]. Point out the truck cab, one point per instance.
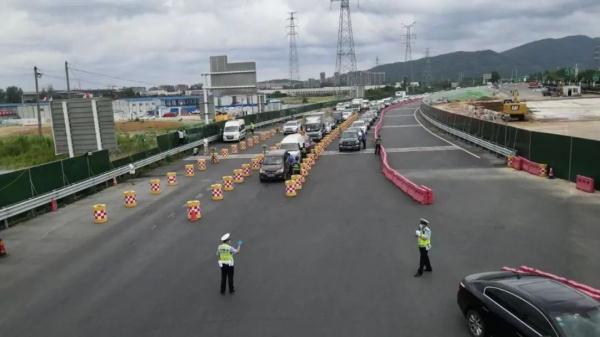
[[314, 127]]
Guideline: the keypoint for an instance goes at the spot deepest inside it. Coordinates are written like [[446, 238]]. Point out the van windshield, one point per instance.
[[232, 128], [313, 127]]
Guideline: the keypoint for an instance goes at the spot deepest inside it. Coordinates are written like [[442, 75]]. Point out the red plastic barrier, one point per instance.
[[585, 184], [534, 168], [421, 194], [592, 292], [517, 162]]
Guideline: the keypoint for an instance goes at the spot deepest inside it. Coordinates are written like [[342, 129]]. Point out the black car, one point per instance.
[[349, 140], [276, 166], [509, 304]]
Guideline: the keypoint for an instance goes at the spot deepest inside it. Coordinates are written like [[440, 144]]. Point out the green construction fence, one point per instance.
[[568, 156]]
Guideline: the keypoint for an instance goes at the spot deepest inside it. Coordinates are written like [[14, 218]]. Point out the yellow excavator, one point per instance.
[[222, 116], [514, 108]]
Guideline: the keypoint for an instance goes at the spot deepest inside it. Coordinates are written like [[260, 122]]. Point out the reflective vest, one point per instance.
[[225, 254], [424, 239]]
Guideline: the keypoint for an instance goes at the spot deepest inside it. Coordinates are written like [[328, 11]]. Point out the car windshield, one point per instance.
[[313, 127], [349, 135], [578, 324], [273, 160], [231, 128], [291, 124], [290, 146]]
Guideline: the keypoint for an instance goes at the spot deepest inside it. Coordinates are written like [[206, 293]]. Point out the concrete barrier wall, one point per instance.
[[567, 156]]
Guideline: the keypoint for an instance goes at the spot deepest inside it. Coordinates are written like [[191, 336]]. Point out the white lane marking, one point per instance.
[[442, 138], [391, 126], [395, 150]]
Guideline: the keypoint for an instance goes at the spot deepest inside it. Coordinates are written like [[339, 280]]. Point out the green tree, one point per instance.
[[14, 94], [495, 77], [2, 96], [127, 92]]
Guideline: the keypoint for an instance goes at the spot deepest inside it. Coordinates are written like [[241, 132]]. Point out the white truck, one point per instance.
[[314, 126]]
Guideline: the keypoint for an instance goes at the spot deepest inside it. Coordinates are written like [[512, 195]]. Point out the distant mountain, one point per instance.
[[526, 59]]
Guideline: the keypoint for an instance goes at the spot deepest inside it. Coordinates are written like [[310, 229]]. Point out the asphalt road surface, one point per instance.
[[338, 260]]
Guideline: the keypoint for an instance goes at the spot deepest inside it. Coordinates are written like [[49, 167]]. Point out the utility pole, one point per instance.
[[205, 93], [345, 57], [67, 77], [408, 42], [293, 61], [36, 75]]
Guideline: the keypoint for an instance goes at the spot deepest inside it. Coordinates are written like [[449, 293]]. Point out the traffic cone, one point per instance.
[[2, 249]]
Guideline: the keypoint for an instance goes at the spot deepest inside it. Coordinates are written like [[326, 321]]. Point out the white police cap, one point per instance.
[[424, 221], [225, 237]]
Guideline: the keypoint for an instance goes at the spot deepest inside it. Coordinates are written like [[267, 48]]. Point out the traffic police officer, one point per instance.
[[225, 254], [423, 234]]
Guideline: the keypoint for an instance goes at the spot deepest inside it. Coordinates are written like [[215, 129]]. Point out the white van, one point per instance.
[[295, 144], [234, 130]]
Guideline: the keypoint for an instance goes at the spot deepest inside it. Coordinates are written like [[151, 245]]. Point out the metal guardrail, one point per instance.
[[483, 143], [44, 199]]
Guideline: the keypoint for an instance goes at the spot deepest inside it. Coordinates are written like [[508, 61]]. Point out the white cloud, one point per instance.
[[169, 41]]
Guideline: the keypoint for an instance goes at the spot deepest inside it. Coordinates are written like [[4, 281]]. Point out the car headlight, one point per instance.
[[280, 170], [262, 171]]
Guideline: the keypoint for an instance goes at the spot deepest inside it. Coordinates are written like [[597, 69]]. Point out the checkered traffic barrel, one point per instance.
[[228, 183], [238, 176], [256, 140], [250, 142], [246, 170], [224, 153], [273, 148], [100, 214], [194, 213], [255, 164], [306, 162], [234, 148], [290, 188], [303, 170], [216, 192], [260, 157], [263, 136], [242, 145], [297, 178], [202, 164], [171, 178], [130, 199], [154, 186], [189, 170]]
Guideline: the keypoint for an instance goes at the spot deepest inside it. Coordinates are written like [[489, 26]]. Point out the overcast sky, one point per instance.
[[169, 41]]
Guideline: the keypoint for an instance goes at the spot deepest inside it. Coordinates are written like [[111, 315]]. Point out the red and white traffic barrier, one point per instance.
[[590, 291], [420, 193], [585, 184]]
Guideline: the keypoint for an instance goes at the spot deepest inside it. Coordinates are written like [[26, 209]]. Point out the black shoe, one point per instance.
[[429, 270], [231, 291], [418, 275], [222, 292]]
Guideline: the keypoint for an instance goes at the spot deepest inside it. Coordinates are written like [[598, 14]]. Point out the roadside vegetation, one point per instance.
[[25, 150]]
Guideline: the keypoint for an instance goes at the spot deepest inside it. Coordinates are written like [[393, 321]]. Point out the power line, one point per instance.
[[110, 76]]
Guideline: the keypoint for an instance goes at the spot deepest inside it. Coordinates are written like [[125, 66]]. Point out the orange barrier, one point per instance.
[[3, 251], [514, 162], [585, 184], [534, 168]]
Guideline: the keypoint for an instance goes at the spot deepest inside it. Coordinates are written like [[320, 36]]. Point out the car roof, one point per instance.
[[295, 138], [547, 294], [294, 122], [275, 153]]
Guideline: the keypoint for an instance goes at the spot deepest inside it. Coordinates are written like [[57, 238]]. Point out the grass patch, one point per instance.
[[23, 151]]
